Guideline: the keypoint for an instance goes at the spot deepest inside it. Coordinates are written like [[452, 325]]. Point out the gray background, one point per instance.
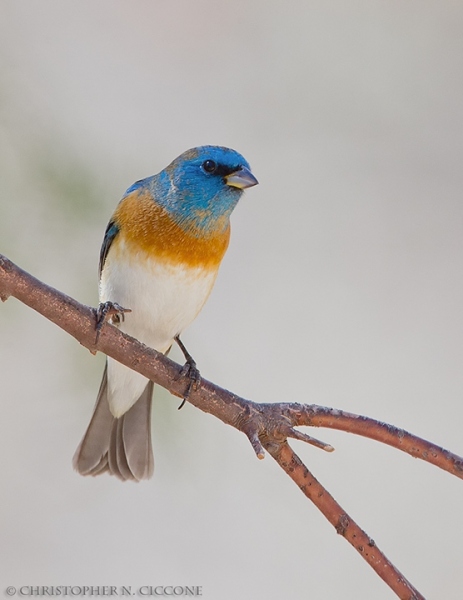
[[342, 285]]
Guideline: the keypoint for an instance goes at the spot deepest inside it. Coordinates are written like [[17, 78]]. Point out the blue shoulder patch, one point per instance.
[[136, 186]]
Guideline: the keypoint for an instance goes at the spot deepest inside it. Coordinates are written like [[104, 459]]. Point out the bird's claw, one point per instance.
[[191, 371], [109, 310]]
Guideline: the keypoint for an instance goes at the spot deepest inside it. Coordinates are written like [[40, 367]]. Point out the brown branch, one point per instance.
[[266, 425], [322, 416], [342, 522]]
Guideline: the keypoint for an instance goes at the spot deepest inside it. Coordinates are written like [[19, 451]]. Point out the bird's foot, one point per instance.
[[111, 311], [189, 370]]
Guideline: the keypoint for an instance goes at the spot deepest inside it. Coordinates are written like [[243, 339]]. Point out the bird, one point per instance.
[[159, 260]]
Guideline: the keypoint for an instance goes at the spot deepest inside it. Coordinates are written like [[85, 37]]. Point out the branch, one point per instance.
[[266, 425], [342, 522]]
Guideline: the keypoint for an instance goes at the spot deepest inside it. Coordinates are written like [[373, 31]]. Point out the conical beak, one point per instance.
[[242, 179]]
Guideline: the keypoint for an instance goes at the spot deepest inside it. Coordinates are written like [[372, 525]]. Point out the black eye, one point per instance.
[[209, 166]]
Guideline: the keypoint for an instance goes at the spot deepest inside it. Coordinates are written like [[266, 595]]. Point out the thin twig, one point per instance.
[[322, 416], [341, 521]]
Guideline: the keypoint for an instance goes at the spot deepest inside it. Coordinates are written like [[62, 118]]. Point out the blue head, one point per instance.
[[201, 187]]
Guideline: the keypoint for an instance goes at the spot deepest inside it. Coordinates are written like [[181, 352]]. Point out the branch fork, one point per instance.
[[261, 428]]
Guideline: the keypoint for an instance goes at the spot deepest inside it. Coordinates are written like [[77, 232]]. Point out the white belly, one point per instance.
[[164, 300]]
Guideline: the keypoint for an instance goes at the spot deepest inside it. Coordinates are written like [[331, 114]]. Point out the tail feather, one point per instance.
[[120, 446], [118, 465], [101, 468], [135, 435], [115, 463], [91, 455]]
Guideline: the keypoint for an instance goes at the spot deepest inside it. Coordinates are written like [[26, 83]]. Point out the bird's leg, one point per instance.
[[109, 310], [189, 369]]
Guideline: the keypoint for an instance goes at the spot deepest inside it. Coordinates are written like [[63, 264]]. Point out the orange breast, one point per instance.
[[146, 227]]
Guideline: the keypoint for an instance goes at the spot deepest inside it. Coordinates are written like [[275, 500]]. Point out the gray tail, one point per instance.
[[122, 447]]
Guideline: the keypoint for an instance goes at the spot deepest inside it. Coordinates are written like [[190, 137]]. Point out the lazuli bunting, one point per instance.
[[159, 259]]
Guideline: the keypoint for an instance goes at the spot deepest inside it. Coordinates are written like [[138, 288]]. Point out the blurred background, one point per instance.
[[342, 286]]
